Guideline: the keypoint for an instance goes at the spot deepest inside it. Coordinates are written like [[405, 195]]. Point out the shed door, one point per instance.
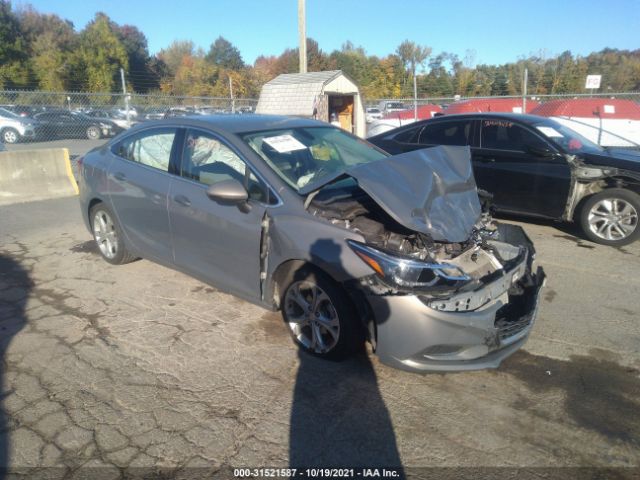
[[342, 106]]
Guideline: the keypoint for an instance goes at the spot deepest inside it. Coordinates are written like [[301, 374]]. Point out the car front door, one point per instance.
[[139, 181], [68, 126], [219, 243], [523, 171]]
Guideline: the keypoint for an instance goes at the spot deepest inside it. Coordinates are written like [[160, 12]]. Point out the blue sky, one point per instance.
[[497, 30]]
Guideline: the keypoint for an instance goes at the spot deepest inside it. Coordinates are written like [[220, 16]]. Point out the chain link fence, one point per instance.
[[81, 120], [408, 102]]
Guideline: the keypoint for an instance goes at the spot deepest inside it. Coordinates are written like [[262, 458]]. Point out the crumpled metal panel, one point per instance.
[[431, 190]]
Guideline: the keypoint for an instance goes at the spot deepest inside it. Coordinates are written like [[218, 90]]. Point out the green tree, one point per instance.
[[141, 74], [100, 56], [49, 40], [14, 71], [412, 56], [172, 55], [223, 54]]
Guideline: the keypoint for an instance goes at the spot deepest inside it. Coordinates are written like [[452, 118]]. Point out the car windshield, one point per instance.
[[304, 157], [8, 114], [567, 138]]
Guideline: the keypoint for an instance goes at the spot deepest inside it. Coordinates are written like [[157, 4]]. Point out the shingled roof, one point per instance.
[[294, 93]]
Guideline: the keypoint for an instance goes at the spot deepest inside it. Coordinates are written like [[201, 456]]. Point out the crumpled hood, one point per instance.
[[617, 158], [431, 190]]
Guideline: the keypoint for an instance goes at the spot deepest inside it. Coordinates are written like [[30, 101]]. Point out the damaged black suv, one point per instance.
[[538, 167]]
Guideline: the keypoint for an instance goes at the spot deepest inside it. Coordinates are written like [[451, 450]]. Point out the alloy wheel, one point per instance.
[[10, 136], [613, 219], [93, 133], [311, 317], [104, 232]]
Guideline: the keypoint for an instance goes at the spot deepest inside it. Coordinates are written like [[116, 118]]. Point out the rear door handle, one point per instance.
[[120, 176], [182, 200]]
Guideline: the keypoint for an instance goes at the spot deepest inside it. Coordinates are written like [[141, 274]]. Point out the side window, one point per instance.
[[506, 135], [207, 160], [151, 148], [408, 136], [446, 133]]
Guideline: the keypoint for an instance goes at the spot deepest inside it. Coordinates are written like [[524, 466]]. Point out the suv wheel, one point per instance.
[[319, 315], [10, 135], [108, 236], [610, 217], [93, 133]]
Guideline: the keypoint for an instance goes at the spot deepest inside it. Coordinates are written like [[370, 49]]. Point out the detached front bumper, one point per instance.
[[418, 334]]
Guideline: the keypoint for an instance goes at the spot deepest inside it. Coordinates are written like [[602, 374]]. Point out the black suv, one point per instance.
[[536, 166]]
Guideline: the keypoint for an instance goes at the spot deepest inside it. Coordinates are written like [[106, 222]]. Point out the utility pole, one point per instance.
[[126, 97], [233, 101], [302, 36], [524, 90], [415, 95]]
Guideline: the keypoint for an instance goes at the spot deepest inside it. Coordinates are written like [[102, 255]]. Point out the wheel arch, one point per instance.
[[94, 201], [284, 270], [619, 181]]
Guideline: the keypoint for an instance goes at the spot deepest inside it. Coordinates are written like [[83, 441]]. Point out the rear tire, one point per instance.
[[319, 315], [108, 236], [93, 133], [610, 217], [10, 135]]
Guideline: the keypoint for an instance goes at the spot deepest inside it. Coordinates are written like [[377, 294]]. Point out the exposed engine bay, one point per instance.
[[495, 260], [348, 205]]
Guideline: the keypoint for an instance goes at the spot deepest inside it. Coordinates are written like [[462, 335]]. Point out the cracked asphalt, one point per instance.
[[106, 369]]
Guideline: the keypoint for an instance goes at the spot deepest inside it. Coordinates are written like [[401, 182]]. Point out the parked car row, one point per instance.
[[20, 124]]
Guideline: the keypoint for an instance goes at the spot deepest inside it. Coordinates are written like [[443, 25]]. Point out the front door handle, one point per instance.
[[182, 200], [484, 159], [119, 176]]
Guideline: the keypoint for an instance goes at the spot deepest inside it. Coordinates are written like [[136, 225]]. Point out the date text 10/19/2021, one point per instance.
[[316, 473]]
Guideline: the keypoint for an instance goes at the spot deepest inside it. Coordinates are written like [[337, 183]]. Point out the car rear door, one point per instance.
[[523, 171], [139, 181], [219, 243]]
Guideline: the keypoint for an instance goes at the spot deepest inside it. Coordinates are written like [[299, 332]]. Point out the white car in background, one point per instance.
[[373, 113], [14, 128]]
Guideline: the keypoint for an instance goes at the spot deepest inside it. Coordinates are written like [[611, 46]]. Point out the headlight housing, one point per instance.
[[105, 125], [409, 273]]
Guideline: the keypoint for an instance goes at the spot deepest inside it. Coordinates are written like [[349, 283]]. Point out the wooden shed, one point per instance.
[[315, 95]]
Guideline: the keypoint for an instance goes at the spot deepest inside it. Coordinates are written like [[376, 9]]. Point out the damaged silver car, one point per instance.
[[349, 243]]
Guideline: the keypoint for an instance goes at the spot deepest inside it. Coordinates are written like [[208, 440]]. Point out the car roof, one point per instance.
[[236, 123], [516, 117]]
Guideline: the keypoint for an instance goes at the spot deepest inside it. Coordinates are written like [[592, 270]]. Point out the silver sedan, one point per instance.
[[352, 245]]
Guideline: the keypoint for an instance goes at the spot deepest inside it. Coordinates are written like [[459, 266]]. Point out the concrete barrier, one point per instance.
[[29, 175]]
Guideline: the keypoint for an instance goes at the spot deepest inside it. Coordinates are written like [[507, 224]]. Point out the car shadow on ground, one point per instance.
[[15, 285], [338, 416]]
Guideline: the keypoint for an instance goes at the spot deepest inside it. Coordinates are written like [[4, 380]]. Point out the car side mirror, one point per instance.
[[230, 192]]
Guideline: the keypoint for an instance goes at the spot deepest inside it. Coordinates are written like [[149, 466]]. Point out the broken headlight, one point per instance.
[[402, 272]]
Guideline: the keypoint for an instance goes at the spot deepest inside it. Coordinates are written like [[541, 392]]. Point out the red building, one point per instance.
[[474, 105], [589, 108], [424, 111]]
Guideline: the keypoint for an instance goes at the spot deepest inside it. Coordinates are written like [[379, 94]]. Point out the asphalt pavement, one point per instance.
[[138, 366]]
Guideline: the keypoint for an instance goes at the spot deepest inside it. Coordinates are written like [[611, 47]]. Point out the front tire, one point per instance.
[[108, 236], [610, 217], [93, 133], [10, 135], [319, 315]]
